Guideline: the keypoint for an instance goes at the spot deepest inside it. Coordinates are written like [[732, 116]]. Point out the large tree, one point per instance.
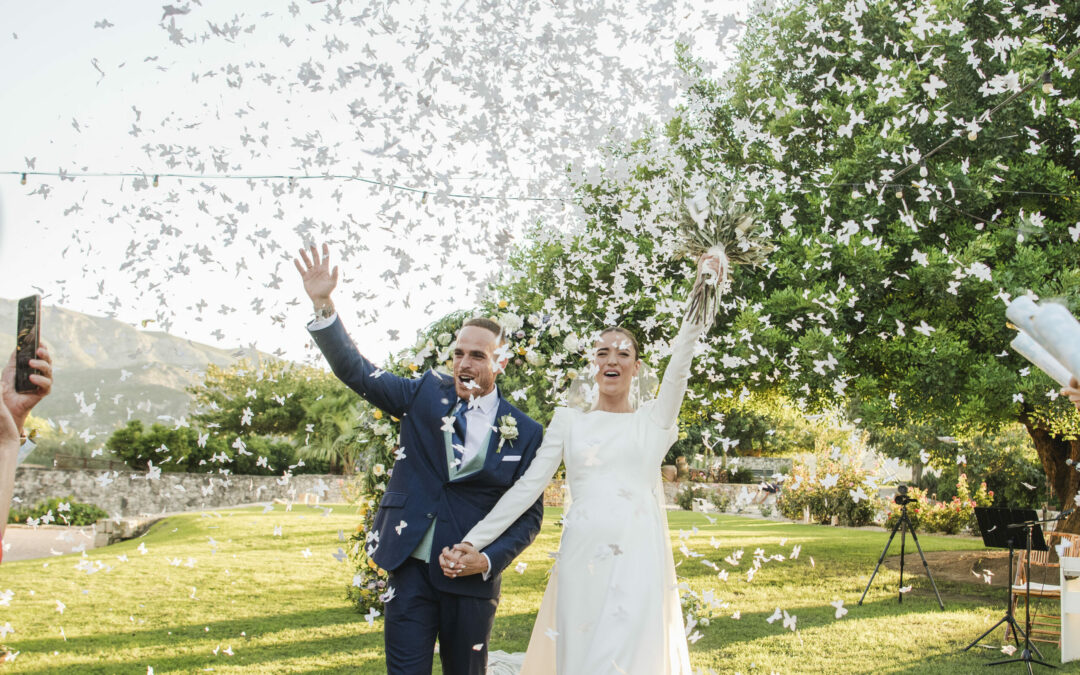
[[913, 183]]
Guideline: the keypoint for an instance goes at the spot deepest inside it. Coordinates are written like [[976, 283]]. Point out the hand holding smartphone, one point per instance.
[[28, 337]]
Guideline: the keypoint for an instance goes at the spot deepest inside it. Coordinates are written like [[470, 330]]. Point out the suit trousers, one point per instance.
[[419, 614]]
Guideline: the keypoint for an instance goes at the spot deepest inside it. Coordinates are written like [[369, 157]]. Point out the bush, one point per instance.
[[185, 449], [685, 498], [952, 517], [59, 510], [720, 500], [845, 493], [719, 475], [766, 510], [740, 476]]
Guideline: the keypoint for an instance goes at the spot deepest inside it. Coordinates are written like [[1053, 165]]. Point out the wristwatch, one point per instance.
[[324, 312]]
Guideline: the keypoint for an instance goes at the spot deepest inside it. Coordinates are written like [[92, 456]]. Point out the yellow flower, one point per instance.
[[412, 367], [521, 351], [503, 304], [371, 564], [378, 414]]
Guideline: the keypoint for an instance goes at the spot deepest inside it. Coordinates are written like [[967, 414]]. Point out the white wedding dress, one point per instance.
[[611, 605]]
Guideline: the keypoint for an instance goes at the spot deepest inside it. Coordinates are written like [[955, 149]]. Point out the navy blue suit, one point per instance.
[[427, 603]]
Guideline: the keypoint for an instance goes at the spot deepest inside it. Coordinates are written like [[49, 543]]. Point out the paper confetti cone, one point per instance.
[[1026, 346], [1059, 332]]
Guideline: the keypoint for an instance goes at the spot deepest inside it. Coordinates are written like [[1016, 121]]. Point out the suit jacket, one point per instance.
[[419, 488]]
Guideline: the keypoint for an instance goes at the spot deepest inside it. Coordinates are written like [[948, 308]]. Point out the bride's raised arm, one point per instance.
[[665, 410], [528, 488]]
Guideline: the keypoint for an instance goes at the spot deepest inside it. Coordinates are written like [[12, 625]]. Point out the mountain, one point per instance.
[[107, 371]]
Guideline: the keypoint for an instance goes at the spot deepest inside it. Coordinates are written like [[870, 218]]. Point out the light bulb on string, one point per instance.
[[922, 169], [22, 180], [1047, 84], [155, 180], [972, 135], [899, 194]]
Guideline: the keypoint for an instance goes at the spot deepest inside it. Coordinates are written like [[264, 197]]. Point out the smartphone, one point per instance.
[[26, 342]]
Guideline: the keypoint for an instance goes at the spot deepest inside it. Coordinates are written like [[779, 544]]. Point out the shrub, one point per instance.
[[59, 510], [766, 510], [716, 474], [685, 497], [720, 500], [740, 476], [951, 517], [836, 488]]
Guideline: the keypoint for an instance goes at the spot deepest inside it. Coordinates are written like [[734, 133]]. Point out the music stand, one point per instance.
[[1035, 541], [994, 527]]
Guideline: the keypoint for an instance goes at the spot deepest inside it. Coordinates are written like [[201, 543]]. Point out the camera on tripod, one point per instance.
[[902, 498]]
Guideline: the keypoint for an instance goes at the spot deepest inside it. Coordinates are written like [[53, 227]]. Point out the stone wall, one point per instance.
[[138, 493]]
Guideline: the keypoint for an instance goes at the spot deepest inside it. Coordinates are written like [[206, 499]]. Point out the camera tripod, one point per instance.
[[903, 525]]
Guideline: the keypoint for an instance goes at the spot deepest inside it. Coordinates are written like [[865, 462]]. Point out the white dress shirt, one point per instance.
[[479, 419]]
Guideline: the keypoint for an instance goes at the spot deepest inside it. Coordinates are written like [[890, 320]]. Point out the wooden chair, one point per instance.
[[1045, 577]]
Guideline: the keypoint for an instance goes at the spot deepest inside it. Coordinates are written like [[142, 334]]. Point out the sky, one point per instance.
[[420, 95]]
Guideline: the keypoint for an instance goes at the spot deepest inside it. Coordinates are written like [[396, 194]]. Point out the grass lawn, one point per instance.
[[205, 583]]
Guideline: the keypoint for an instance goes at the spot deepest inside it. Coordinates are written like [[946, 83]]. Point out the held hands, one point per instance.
[[319, 281], [1073, 392], [462, 560], [19, 405]]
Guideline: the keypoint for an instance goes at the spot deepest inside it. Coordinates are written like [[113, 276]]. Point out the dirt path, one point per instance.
[[968, 567]]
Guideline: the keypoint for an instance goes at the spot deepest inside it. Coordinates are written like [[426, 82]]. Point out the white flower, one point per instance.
[[510, 322], [444, 339], [382, 429], [534, 358], [508, 430], [571, 343]]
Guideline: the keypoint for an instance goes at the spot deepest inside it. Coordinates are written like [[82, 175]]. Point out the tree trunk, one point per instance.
[[1062, 478], [916, 471]]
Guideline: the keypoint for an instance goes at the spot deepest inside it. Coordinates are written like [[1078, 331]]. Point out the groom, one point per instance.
[[459, 453]]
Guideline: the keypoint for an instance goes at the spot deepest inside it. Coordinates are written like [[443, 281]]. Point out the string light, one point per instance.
[[985, 117], [1048, 85], [292, 180], [69, 175]]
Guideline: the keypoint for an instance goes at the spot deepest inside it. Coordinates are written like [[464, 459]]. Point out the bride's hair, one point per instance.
[[629, 335]]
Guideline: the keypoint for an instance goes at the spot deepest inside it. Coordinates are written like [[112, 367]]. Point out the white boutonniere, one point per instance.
[[508, 431]]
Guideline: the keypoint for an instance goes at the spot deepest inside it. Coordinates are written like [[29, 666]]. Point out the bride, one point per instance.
[[611, 605]]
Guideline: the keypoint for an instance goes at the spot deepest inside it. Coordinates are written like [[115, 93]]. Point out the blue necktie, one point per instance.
[[457, 441]]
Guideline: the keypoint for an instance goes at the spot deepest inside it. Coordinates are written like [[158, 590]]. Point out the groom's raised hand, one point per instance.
[[319, 280], [462, 560]]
